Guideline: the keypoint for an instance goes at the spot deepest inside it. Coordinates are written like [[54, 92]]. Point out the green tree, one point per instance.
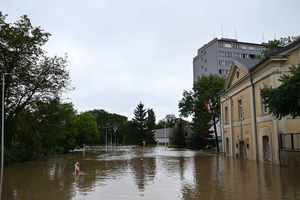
[[106, 121], [130, 134], [203, 104], [39, 77], [178, 138], [87, 130], [140, 122], [273, 45], [44, 128], [285, 99], [150, 139], [169, 121]]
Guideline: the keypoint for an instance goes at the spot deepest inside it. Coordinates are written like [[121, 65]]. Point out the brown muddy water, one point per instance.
[[158, 173]]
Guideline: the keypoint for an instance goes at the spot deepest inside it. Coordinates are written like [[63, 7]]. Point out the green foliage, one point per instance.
[[142, 126], [37, 123], [203, 104], [39, 77], [45, 128], [107, 121], [150, 139], [179, 136], [274, 45], [140, 122], [169, 121], [87, 130], [285, 99], [130, 134]]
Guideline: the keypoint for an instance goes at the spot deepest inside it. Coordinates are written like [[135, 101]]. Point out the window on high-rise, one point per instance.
[[251, 48], [244, 55], [243, 47], [228, 54], [237, 55], [228, 45], [235, 46], [222, 62], [221, 53]]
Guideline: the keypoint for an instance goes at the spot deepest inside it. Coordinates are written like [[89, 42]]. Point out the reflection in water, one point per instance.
[[144, 170], [148, 173]]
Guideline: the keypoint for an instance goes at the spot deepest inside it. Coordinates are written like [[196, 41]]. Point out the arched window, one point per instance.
[[264, 107], [240, 109], [226, 115]]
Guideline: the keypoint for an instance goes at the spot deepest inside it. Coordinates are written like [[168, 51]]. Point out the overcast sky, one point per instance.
[[122, 52]]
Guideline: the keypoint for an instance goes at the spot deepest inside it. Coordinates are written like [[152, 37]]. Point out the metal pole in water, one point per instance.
[[106, 137], [165, 135], [111, 139], [2, 135]]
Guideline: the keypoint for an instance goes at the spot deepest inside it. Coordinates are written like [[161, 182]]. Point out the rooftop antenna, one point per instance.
[[274, 36], [235, 33], [262, 37]]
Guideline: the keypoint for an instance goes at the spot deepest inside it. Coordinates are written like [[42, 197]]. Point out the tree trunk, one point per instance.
[[216, 134]]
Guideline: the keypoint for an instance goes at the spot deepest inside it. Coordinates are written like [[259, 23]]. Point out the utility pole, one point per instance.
[[2, 134]]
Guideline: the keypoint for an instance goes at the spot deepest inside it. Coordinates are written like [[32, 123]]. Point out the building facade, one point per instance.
[[163, 136], [217, 56], [249, 130]]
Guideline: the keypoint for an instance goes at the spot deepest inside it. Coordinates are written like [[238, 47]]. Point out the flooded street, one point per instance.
[[148, 173]]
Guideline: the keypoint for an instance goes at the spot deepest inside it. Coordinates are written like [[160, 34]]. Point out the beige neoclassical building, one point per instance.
[[248, 129]]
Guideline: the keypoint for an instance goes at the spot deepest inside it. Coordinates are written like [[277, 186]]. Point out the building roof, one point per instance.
[[280, 51], [246, 63], [286, 48], [224, 40], [235, 40]]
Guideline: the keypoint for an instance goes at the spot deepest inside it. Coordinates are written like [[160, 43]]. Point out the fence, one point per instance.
[[289, 141]]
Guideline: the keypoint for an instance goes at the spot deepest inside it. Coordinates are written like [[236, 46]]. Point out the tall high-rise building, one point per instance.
[[217, 56]]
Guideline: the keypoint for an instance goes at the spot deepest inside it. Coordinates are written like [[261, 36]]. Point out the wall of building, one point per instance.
[[235, 78], [217, 56], [203, 62]]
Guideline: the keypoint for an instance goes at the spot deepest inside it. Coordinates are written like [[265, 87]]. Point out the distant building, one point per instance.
[[217, 56], [163, 135], [249, 130]]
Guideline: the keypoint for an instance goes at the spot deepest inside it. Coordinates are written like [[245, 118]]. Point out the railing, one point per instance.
[[289, 141]]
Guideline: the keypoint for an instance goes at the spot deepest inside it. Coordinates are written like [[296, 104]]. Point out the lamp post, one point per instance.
[[106, 137], [2, 128], [2, 134], [165, 135]]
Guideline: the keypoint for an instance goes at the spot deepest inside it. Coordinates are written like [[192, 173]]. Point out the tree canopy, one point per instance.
[[285, 99], [150, 139], [179, 136], [31, 75], [203, 104], [273, 45], [140, 121]]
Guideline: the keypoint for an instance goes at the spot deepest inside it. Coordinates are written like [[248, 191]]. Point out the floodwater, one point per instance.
[[157, 173]]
